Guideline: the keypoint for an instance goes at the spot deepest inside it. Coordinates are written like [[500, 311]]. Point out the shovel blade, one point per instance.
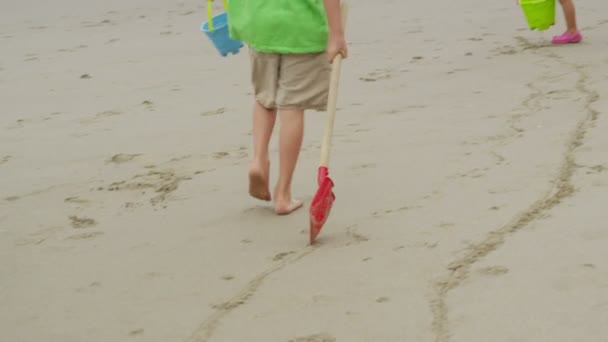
[[321, 205]]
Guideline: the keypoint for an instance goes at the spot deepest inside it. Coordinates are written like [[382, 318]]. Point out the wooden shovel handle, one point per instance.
[[333, 97]]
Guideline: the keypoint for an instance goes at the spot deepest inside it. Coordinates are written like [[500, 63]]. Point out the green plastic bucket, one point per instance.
[[540, 14]]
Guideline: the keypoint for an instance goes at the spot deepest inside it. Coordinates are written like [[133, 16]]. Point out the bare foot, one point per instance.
[[258, 182], [287, 207]]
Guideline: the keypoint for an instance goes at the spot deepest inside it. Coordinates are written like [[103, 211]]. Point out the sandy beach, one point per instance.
[[470, 159]]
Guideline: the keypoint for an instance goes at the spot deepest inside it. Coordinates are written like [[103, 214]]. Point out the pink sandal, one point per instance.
[[567, 38]]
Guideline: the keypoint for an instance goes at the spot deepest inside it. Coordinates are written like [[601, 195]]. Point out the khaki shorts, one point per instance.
[[290, 81]]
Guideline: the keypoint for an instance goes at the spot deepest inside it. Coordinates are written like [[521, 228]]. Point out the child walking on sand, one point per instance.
[[291, 45], [572, 34]]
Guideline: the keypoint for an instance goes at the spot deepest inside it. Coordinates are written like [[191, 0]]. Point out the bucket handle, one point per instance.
[[210, 12]]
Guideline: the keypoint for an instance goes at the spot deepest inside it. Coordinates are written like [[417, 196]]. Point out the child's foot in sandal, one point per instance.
[[567, 38]]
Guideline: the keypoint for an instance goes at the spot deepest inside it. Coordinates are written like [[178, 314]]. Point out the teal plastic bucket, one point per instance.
[[217, 30], [220, 35], [540, 14]]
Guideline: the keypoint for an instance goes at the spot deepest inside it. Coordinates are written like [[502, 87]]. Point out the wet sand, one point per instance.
[[470, 160]]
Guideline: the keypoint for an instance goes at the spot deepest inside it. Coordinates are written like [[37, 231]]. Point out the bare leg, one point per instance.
[[571, 35], [570, 15], [290, 141], [259, 170]]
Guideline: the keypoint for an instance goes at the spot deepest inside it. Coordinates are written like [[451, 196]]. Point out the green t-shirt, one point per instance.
[[279, 26]]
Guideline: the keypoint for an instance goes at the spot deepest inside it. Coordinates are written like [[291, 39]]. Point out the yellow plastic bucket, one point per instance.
[[540, 14]]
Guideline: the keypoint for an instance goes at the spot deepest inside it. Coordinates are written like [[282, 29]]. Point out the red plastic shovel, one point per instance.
[[324, 198]]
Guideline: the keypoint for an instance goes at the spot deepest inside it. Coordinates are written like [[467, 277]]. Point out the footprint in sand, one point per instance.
[[382, 213], [122, 158], [85, 236], [363, 166], [29, 241], [430, 245], [447, 225], [136, 332], [494, 271], [451, 72], [149, 105], [153, 275], [391, 112], [592, 169], [240, 154], [90, 287], [131, 205], [505, 50], [39, 236], [354, 235], [108, 113], [76, 200], [100, 116], [417, 106], [377, 75], [358, 238], [17, 124], [200, 172], [177, 159], [282, 255], [220, 155], [30, 57], [322, 337], [29, 194], [214, 112], [417, 58], [382, 300], [106, 22], [162, 182], [5, 159], [81, 222]]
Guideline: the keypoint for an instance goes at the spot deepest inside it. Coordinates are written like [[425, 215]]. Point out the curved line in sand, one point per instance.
[[458, 270], [205, 330]]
